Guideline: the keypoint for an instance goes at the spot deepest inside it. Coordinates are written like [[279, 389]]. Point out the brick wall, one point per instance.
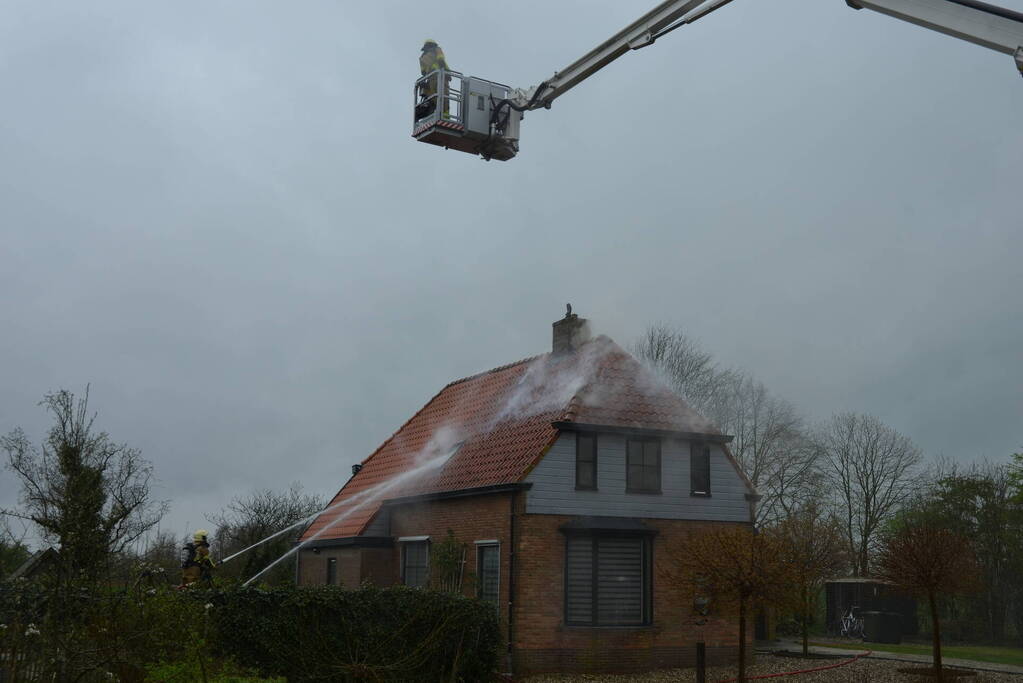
[[542, 641], [477, 518], [312, 566]]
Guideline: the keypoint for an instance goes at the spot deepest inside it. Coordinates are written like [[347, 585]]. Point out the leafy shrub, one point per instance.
[[190, 671]]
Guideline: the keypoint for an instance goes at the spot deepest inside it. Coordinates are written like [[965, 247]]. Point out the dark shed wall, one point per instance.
[[867, 596]]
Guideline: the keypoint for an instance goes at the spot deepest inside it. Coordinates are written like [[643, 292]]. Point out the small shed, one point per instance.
[[866, 595]]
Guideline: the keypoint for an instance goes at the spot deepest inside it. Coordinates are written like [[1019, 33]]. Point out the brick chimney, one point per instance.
[[570, 332]]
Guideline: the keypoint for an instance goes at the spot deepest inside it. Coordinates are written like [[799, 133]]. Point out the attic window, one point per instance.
[[454, 449], [699, 469], [586, 461], [643, 467]]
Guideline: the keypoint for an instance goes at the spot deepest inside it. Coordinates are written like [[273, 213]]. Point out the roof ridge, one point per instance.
[[493, 370]]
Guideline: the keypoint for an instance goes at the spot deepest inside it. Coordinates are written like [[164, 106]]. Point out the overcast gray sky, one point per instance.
[[214, 213]]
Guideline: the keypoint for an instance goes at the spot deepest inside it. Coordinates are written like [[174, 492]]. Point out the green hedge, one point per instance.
[[372, 634], [236, 634]]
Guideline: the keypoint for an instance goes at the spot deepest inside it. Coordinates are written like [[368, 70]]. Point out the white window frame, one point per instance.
[[491, 543], [403, 544]]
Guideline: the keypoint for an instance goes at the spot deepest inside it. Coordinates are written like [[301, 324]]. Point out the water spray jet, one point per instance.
[[443, 435]]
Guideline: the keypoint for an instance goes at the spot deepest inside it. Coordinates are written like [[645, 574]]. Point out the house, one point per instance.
[[571, 478], [37, 565]]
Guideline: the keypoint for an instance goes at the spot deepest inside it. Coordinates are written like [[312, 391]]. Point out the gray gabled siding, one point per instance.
[[553, 479], [381, 524]]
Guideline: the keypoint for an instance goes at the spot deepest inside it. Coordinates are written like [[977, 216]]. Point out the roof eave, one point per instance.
[[569, 426], [349, 542], [457, 493]]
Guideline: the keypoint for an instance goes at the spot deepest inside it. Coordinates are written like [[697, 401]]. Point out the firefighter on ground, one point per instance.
[[196, 563], [430, 59]]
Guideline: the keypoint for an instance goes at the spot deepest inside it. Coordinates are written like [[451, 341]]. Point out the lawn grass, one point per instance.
[[979, 653]]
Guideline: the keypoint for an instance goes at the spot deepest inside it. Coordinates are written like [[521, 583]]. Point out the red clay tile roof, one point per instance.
[[492, 428]]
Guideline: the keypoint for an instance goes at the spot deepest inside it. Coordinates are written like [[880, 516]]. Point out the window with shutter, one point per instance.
[[643, 466], [607, 580], [586, 461], [699, 469], [579, 580]]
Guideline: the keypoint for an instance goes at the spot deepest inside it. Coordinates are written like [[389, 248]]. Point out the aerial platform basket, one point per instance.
[[465, 113]]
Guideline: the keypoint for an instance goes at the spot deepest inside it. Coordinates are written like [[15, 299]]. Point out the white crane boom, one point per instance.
[[482, 117], [666, 17], [986, 25]]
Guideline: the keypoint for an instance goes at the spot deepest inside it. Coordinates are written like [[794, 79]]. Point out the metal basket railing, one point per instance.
[[439, 96]]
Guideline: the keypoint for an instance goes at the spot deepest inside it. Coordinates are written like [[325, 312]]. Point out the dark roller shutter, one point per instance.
[[620, 581], [579, 581]]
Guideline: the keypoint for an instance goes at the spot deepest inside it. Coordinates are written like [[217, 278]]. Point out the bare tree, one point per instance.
[[687, 368], [770, 443], [13, 550], [85, 494], [160, 559], [815, 551], [928, 560], [872, 470], [248, 520], [739, 567]]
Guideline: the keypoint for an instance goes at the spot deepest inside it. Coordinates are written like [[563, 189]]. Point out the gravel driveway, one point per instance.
[[861, 671]]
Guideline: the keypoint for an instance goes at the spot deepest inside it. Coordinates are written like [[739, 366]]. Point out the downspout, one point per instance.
[[511, 579]]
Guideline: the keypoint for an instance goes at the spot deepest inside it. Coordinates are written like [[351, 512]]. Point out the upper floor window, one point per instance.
[[699, 469], [643, 467], [586, 461], [415, 563]]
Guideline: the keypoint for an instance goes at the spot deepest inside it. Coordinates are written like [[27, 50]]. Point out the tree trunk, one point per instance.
[[806, 620], [936, 631], [998, 607], [741, 678]]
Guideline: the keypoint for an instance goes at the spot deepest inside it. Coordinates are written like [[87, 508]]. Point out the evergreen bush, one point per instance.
[[371, 634]]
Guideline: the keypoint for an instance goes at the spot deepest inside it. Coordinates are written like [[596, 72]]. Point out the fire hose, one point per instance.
[[803, 671], [505, 677]]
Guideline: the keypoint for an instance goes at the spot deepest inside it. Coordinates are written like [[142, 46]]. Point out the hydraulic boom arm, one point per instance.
[[992, 27], [978, 22], [662, 19]]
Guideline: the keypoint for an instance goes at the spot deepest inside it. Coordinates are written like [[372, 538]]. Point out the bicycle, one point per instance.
[[852, 625]]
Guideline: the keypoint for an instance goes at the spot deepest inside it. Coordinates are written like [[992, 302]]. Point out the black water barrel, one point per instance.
[[882, 627]]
